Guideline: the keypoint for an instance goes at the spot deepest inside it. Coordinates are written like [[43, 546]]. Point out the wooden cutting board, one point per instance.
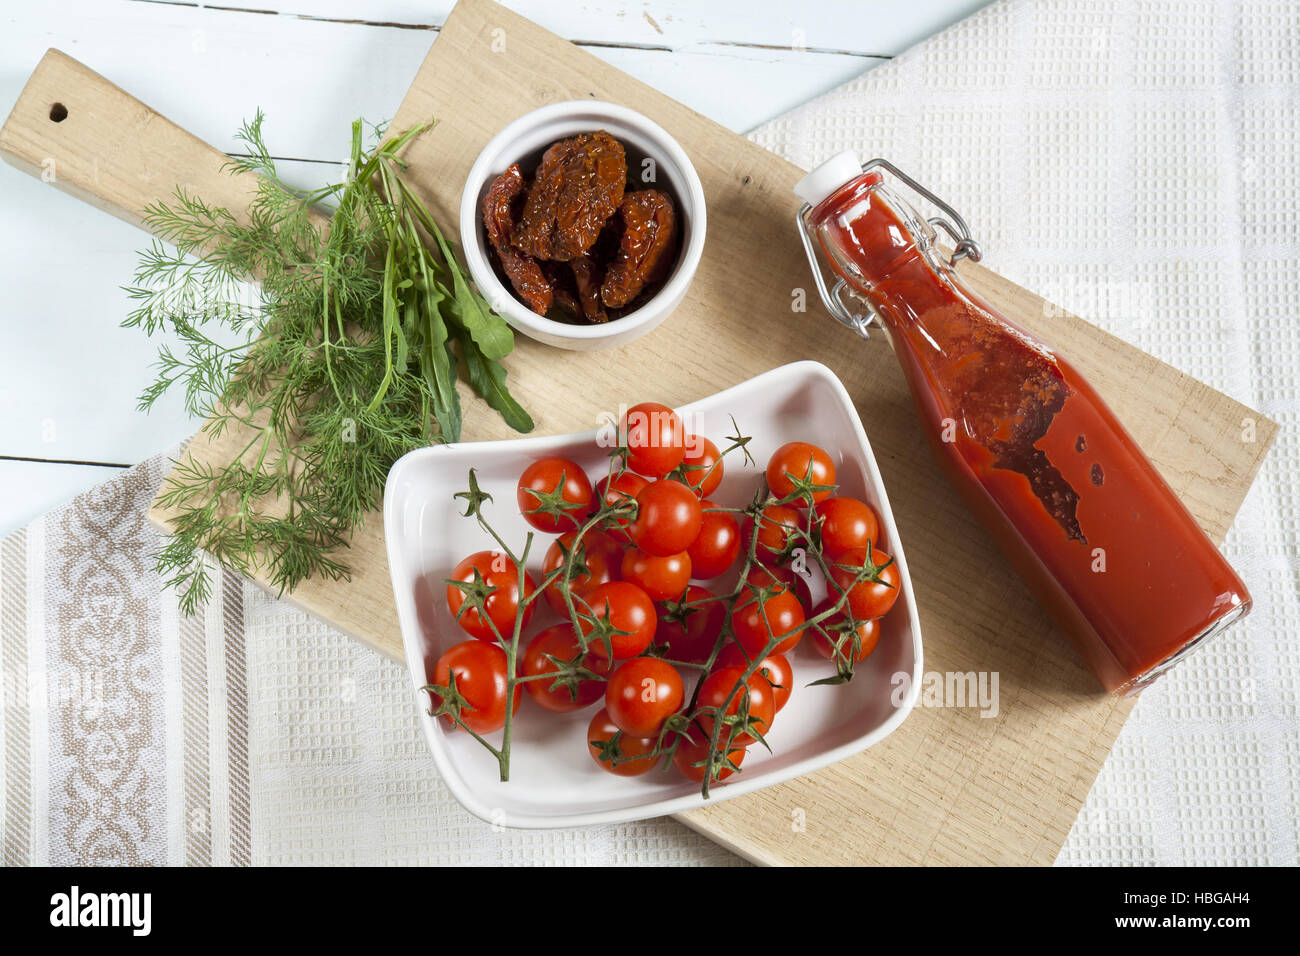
[[949, 786]]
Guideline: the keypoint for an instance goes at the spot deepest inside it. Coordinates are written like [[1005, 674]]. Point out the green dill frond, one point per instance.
[[259, 158], [348, 336]]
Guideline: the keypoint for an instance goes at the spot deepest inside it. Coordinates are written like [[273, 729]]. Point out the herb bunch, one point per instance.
[[345, 358]]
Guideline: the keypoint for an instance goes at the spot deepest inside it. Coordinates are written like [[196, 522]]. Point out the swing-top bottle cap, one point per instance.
[[828, 177]]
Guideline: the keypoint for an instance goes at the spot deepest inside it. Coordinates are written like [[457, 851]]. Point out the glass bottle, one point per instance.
[[1105, 545]]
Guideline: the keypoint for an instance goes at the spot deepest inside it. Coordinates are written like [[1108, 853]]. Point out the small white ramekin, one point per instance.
[[523, 142]]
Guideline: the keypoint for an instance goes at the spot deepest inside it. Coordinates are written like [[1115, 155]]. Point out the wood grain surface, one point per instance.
[[949, 786]]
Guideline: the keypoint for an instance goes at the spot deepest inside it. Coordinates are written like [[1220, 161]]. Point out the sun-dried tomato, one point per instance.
[[645, 251], [578, 185], [587, 273], [498, 217]]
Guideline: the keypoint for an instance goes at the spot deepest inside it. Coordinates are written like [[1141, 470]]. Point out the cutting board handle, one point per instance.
[[77, 131]]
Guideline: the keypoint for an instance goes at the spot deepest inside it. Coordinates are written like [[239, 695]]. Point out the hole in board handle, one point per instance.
[[58, 112]]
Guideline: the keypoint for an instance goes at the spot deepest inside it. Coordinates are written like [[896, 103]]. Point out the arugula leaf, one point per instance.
[[489, 331], [437, 362], [488, 378], [450, 413]]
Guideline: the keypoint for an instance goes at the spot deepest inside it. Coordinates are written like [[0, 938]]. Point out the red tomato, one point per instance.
[[612, 489], [783, 616], [763, 576], [691, 632], [560, 489], [800, 461], [601, 731], [838, 632], [655, 439], [775, 669], [689, 758], [661, 578], [776, 527], [598, 551], [718, 544], [629, 610], [641, 695], [497, 571], [481, 675], [668, 518], [560, 643], [704, 467], [718, 687], [867, 599], [846, 524]]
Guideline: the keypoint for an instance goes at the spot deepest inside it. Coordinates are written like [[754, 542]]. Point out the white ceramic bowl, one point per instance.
[[523, 142], [553, 780]]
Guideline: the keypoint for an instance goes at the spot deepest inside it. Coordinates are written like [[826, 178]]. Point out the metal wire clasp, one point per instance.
[[833, 296]]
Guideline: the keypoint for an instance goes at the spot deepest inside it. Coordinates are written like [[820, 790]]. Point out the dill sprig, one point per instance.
[[350, 319]]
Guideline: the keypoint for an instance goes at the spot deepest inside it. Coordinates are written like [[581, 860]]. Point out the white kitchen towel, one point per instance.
[[1134, 162]]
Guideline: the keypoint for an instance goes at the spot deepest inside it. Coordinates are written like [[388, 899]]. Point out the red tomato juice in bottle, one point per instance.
[[1102, 540]]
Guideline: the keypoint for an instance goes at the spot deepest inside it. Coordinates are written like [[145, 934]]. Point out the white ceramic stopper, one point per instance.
[[828, 177]]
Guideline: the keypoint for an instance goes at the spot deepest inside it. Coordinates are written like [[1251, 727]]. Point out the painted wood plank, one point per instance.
[[312, 78], [30, 489], [70, 377], [878, 28], [308, 74]]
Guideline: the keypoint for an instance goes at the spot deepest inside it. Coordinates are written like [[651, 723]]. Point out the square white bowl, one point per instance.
[[553, 780]]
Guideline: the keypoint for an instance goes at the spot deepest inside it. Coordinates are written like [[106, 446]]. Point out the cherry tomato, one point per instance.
[[655, 439], [689, 756], [867, 599], [668, 518], [497, 571], [693, 638], [598, 551], [641, 695], [717, 545], [704, 467], [837, 631], [718, 686], [846, 524], [661, 578], [800, 461], [612, 489], [630, 610], [776, 670], [561, 487], [481, 675], [764, 576], [776, 527], [601, 730], [783, 616], [560, 643]]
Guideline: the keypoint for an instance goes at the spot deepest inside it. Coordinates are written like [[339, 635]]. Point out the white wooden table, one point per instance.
[[69, 376]]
